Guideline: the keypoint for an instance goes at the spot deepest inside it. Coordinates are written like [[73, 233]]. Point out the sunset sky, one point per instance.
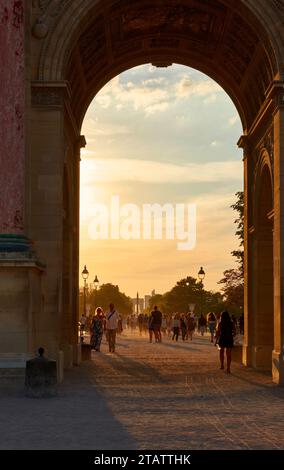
[[161, 136]]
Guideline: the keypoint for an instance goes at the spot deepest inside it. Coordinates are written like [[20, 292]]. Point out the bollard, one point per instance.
[[41, 377]]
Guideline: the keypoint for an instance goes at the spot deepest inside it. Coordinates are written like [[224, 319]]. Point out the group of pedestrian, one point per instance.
[[181, 323], [109, 323], [222, 329]]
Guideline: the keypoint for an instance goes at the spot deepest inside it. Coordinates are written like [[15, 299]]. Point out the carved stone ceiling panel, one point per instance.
[[206, 30], [191, 19]]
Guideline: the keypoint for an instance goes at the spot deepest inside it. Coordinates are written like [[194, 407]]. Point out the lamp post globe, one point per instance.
[[85, 273], [96, 282], [201, 274], [96, 285]]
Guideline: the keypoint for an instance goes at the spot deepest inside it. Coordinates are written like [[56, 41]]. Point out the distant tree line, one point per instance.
[[102, 297], [186, 291]]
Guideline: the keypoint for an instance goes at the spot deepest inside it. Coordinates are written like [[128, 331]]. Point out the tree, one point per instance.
[[188, 291], [109, 293], [233, 280], [233, 290], [239, 208]]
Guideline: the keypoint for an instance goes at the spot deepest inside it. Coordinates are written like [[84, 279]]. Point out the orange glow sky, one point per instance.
[[161, 136]]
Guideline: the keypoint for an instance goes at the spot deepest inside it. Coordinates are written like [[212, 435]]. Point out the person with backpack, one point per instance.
[[112, 318]]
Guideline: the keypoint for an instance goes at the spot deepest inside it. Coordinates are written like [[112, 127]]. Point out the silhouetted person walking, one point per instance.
[[225, 339], [112, 318]]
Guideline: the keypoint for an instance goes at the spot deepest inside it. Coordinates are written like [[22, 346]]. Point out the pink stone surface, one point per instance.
[[12, 103]]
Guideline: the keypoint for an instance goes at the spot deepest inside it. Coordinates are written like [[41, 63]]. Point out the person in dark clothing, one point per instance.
[[156, 323], [97, 329], [183, 327], [225, 339]]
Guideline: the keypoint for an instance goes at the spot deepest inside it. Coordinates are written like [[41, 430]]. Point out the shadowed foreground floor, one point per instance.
[[148, 396]]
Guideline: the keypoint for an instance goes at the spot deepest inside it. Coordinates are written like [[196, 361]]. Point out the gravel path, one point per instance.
[[148, 396]]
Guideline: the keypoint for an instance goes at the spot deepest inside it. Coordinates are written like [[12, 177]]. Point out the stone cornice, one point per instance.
[[50, 93]]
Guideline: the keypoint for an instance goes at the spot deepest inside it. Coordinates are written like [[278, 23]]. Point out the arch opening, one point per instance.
[[264, 320], [162, 136]]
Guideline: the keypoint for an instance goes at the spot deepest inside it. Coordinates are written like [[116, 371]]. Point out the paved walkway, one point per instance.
[[148, 396]]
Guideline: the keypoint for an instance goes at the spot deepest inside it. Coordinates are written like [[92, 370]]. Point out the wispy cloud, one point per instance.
[[187, 88], [155, 94], [147, 171], [93, 128]]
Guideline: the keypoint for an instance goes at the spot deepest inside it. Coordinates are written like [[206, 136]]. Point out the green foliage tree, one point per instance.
[[233, 280], [109, 293], [239, 221], [188, 291]]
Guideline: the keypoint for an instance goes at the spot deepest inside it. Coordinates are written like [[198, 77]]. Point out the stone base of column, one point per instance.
[[68, 355], [77, 356], [278, 368], [20, 303], [13, 365], [257, 356]]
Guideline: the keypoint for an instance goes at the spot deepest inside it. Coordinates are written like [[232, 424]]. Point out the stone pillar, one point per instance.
[[80, 143], [54, 214], [248, 252], [46, 208], [277, 95], [12, 128], [20, 272]]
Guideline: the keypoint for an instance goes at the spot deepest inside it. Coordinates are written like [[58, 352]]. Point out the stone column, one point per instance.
[[80, 143], [277, 95], [12, 128], [248, 252], [20, 273]]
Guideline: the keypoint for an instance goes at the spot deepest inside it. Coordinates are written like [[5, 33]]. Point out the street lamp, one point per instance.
[[201, 276], [96, 285], [85, 275]]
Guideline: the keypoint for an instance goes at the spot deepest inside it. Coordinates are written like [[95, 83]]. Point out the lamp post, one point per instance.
[[96, 285], [201, 276], [85, 275]]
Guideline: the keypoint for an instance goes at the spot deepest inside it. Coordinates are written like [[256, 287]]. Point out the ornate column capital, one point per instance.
[[275, 93]]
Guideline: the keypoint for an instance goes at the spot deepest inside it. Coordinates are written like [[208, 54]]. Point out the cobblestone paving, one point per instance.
[[173, 396], [148, 396]]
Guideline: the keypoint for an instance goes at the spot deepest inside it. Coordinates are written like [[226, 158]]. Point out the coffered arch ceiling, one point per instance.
[[221, 38]]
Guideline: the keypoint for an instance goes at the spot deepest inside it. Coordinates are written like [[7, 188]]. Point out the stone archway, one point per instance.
[[72, 49], [263, 321]]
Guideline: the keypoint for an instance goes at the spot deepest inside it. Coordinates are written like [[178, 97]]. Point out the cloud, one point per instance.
[[93, 128], [233, 120], [154, 95], [187, 88], [216, 143], [147, 95], [147, 171]]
